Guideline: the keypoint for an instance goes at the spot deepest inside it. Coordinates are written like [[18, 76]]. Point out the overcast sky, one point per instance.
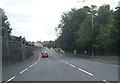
[[37, 19]]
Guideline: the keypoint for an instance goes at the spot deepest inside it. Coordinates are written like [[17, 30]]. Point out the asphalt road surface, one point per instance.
[[60, 67]]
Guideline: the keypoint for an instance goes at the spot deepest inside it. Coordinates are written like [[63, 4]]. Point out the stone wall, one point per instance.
[[14, 50]]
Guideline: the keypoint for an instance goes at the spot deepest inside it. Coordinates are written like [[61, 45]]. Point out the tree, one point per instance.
[[108, 36], [86, 34], [5, 22], [90, 28], [69, 25]]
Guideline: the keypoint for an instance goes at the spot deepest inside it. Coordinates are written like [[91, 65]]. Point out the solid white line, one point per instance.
[[66, 62], [106, 81], [31, 65], [24, 70], [10, 79], [72, 65], [85, 72]]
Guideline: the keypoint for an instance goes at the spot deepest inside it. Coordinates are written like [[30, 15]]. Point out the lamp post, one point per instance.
[[0, 45], [0, 23], [0, 18], [92, 31]]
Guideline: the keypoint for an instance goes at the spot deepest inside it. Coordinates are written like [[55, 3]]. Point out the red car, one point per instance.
[[44, 54]]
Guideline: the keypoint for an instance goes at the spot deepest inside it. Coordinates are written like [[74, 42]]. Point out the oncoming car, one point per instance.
[[44, 54]]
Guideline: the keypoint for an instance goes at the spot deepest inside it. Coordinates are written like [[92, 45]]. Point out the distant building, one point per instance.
[[38, 44], [45, 42]]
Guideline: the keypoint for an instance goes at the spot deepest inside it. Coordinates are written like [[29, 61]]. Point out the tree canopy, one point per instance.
[[5, 22], [90, 28]]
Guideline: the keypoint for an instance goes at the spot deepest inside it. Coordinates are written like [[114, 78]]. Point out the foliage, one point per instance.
[[90, 28], [5, 22]]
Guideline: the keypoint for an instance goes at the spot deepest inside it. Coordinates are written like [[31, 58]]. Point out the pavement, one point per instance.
[[60, 67]]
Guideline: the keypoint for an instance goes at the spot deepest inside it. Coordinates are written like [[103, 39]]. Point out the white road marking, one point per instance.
[[66, 62], [62, 60], [72, 65], [89, 61], [106, 81], [59, 59], [10, 79], [24, 70], [98, 62], [85, 72], [37, 60], [115, 65], [31, 65]]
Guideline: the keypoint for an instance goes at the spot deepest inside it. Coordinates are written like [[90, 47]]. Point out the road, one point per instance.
[[60, 67]]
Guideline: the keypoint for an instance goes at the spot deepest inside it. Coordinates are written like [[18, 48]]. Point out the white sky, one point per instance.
[[37, 19]]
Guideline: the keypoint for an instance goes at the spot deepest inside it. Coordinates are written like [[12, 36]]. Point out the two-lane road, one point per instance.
[[58, 67]]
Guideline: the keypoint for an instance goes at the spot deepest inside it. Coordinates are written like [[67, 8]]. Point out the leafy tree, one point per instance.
[[106, 39], [5, 22], [69, 25], [88, 29]]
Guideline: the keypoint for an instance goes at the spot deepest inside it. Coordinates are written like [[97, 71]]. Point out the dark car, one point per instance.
[[44, 54]]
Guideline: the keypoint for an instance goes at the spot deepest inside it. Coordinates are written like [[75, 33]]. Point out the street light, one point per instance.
[[92, 31], [0, 23], [0, 44], [0, 17]]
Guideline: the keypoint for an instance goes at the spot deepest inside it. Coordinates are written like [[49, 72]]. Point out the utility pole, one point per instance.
[[0, 44], [0, 17], [92, 30], [92, 36]]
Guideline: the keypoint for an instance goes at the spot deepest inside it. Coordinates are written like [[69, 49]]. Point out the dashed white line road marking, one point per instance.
[[31, 65], [72, 65], [89, 61], [106, 81], [62, 60], [59, 59], [115, 65], [78, 68], [35, 63], [85, 72], [38, 59], [98, 62], [66, 62], [10, 79], [24, 70]]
